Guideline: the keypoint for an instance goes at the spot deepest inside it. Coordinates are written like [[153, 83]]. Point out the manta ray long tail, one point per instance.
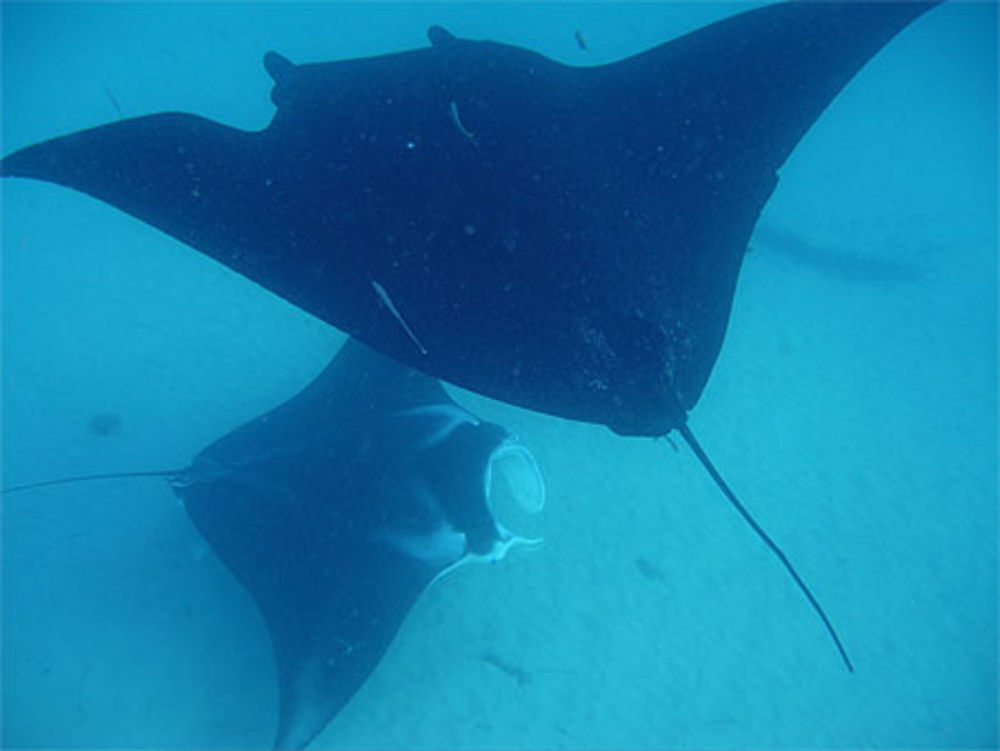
[[699, 452], [88, 478]]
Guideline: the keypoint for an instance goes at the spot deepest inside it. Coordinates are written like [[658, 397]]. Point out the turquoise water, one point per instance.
[[854, 408]]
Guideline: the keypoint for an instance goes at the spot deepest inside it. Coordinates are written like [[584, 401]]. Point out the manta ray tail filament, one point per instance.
[[699, 452], [89, 478]]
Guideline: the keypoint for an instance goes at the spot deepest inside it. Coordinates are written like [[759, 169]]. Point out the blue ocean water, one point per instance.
[[854, 409]]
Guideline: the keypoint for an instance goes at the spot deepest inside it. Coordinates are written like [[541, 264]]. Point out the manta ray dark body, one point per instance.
[[565, 239], [337, 508]]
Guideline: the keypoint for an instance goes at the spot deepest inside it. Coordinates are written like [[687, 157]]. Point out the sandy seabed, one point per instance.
[[855, 413]]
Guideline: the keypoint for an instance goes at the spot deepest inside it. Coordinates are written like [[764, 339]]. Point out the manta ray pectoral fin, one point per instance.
[[197, 180]]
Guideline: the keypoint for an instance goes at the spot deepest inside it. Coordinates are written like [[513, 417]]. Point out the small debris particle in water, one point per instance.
[[519, 674], [114, 102], [650, 571], [105, 424]]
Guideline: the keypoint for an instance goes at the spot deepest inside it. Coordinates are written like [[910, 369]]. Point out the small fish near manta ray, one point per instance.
[[565, 239], [337, 508]]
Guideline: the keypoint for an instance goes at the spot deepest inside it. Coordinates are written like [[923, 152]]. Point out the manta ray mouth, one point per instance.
[[515, 490]]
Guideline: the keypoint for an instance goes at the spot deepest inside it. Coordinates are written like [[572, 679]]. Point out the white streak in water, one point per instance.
[[387, 301], [457, 120], [449, 418], [495, 554]]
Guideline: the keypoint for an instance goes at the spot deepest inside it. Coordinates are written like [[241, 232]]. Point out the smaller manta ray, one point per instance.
[[336, 509]]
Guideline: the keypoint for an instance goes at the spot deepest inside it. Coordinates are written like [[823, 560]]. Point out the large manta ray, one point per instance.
[[338, 507], [566, 239]]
